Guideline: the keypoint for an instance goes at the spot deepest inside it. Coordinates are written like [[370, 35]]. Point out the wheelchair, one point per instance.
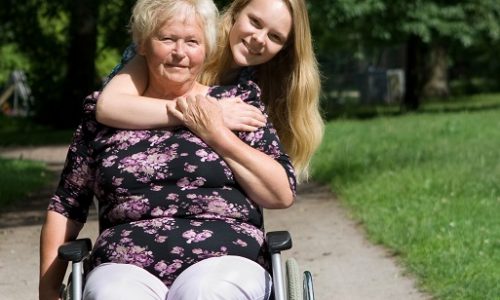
[[295, 285]]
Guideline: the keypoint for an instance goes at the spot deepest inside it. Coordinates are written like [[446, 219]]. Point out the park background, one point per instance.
[[411, 97]]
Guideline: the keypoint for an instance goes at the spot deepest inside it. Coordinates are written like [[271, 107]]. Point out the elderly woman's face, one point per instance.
[[176, 52]]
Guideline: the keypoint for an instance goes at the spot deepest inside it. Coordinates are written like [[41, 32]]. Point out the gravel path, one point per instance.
[[326, 242]]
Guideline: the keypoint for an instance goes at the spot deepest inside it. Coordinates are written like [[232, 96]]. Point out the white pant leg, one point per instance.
[[112, 281], [225, 277]]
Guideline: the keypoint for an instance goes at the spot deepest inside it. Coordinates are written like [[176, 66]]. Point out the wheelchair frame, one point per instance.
[[290, 288]]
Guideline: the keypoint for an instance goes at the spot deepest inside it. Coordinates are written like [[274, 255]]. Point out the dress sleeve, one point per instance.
[[127, 55], [265, 138], [74, 193]]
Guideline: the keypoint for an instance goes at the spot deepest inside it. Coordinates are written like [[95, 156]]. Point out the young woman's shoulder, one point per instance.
[[244, 87], [127, 55]]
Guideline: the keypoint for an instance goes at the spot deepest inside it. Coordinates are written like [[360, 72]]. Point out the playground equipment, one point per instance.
[[16, 99]]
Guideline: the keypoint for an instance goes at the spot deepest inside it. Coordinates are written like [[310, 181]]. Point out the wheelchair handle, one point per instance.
[[278, 241], [74, 251]]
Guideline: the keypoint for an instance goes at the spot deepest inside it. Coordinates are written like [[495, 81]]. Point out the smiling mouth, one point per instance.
[[176, 66], [250, 49]]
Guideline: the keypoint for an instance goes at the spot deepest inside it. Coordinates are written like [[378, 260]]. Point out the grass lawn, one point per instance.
[[426, 186], [453, 104], [18, 177]]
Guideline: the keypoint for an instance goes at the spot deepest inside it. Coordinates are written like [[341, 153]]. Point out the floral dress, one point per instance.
[[166, 199]]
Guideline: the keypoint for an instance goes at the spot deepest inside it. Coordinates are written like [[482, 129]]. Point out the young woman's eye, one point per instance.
[[276, 38], [254, 22]]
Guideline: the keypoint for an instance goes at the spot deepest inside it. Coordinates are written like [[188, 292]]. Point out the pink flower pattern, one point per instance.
[[166, 199]]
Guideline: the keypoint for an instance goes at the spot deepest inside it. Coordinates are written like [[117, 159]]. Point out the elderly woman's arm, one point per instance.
[[56, 230], [69, 206], [120, 104], [264, 179]]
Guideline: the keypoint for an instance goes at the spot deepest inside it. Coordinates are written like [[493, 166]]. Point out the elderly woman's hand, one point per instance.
[[201, 114]]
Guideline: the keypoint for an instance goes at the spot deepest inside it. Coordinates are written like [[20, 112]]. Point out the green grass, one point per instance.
[[428, 187], [462, 103], [19, 177], [452, 104]]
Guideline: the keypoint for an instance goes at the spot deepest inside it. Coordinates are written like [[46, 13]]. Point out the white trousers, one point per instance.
[[225, 277]]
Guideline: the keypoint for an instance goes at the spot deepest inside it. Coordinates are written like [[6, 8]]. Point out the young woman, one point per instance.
[[254, 42]]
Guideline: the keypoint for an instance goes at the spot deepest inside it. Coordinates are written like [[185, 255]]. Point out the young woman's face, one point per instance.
[[176, 52], [259, 32]]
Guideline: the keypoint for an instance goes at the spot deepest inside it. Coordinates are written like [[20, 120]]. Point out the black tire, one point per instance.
[[66, 294], [308, 286]]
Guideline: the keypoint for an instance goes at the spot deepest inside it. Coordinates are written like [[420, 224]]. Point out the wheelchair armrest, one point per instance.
[[75, 250], [278, 241]]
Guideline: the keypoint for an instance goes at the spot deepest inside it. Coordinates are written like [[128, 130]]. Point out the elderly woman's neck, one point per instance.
[[172, 91]]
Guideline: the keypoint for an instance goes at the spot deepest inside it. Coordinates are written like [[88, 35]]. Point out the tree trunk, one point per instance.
[[414, 73], [81, 72], [437, 68]]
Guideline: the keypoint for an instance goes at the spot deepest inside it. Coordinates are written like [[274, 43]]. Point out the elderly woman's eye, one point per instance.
[[166, 38]]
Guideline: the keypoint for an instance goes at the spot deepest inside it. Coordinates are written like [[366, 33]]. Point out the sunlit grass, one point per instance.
[[426, 186]]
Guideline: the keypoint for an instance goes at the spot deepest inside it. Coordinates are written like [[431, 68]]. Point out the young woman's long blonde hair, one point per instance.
[[290, 84]]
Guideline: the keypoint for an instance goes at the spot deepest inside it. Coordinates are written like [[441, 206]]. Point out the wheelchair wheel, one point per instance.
[[66, 291], [308, 286], [294, 280]]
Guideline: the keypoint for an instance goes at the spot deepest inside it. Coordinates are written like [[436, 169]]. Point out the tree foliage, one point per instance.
[[44, 38], [60, 43], [425, 26], [390, 21], [38, 29]]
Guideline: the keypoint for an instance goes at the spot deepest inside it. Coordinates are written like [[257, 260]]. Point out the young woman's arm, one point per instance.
[[264, 179], [120, 104]]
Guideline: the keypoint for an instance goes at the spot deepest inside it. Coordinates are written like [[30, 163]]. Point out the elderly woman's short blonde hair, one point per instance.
[[149, 15]]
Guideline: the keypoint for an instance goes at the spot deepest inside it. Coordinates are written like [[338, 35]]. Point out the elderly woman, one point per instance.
[[179, 208]]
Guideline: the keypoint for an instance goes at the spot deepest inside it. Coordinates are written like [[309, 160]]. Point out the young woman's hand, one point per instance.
[[241, 116], [201, 114], [261, 176]]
